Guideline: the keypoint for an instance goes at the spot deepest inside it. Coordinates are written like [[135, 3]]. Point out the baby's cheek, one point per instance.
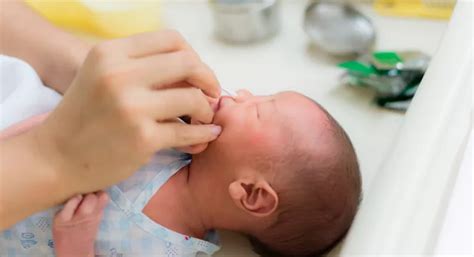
[[262, 140], [256, 138]]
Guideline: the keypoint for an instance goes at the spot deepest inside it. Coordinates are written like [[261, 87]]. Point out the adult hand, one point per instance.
[[116, 114], [117, 111]]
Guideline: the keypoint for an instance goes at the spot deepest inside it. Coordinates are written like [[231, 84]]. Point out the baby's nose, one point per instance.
[[244, 93], [227, 100], [240, 99]]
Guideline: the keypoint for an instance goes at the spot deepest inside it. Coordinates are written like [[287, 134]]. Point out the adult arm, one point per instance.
[[55, 54]]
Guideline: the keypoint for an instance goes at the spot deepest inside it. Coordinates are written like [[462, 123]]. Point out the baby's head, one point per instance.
[[285, 171]]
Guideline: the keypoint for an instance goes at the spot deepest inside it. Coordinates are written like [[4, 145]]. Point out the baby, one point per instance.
[[282, 172]]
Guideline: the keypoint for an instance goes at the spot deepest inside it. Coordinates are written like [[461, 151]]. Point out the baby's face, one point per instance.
[[257, 127], [249, 121]]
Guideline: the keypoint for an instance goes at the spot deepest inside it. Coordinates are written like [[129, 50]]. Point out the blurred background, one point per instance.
[[360, 59]]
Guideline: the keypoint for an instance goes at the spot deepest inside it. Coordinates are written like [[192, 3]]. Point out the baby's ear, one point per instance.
[[255, 196]]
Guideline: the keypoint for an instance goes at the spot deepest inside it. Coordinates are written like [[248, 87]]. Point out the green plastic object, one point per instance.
[[394, 76], [388, 58], [358, 67]]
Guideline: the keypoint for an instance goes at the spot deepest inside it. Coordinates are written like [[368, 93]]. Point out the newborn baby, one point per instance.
[[282, 172]]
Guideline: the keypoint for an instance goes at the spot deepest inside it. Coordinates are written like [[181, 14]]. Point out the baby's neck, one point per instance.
[[173, 206]]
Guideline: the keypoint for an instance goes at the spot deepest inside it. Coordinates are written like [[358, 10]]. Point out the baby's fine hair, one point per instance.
[[318, 198]]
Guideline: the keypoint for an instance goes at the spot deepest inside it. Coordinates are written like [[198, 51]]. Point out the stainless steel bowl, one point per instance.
[[338, 28], [245, 21]]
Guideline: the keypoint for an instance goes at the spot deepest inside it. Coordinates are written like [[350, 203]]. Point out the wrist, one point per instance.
[[65, 62], [29, 174], [77, 55], [53, 161]]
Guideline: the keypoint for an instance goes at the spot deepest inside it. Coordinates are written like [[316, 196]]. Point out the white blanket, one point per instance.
[[22, 94]]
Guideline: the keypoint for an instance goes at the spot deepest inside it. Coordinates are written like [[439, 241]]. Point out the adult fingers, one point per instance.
[[212, 101], [179, 135], [175, 102], [193, 149], [150, 43], [160, 71]]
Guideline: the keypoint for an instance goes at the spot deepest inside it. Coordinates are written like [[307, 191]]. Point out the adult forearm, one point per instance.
[[53, 53], [28, 181]]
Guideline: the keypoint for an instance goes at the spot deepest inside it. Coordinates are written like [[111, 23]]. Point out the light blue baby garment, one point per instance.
[[124, 230]]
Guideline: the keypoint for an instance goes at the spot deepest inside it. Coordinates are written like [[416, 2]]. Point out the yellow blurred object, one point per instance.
[[439, 9], [108, 19]]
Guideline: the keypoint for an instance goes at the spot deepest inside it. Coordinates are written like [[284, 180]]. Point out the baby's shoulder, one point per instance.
[[149, 178]]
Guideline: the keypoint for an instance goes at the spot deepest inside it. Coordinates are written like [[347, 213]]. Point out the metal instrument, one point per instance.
[[245, 21], [338, 28]]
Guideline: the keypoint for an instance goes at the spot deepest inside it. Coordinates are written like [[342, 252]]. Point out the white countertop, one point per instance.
[[288, 62]]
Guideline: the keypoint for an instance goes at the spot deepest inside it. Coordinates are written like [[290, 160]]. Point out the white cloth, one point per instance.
[[22, 93], [124, 229]]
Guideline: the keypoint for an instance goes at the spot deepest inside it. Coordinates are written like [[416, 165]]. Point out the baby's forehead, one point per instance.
[[297, 108], [300, 120]]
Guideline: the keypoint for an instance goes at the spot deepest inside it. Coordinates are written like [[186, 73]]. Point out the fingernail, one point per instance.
[[216, 130]]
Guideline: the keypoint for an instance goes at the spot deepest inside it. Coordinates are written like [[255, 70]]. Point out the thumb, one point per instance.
[[193, 149], [180, 135]]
